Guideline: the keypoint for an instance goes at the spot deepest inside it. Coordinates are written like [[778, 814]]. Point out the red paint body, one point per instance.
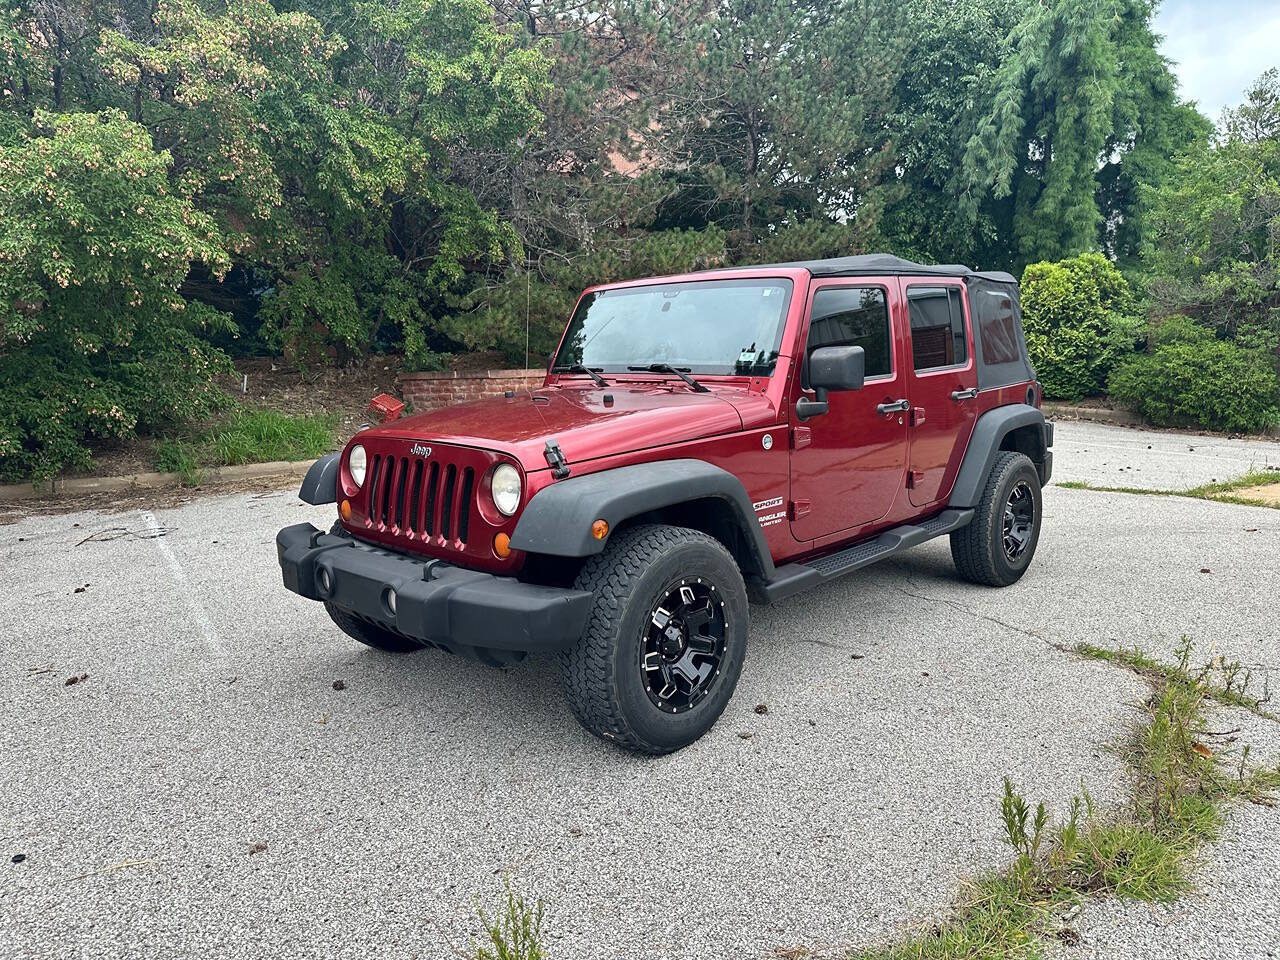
[[838, 478]]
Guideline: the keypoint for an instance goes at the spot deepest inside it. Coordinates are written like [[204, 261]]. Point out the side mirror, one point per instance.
[[837, 368], [832, 368]]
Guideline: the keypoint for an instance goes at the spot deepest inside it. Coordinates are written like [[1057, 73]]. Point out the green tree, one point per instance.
[[95, 341], [1081, 109], [1212, 251]]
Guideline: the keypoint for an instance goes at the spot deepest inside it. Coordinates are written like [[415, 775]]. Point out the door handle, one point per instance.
[[964, 394], [896, 406]]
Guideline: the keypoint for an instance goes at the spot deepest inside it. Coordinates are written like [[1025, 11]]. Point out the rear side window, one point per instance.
[[937, 327], [1000, 337], [853, 317]]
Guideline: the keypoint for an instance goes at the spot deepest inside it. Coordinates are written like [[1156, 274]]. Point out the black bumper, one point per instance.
[[467, 611]]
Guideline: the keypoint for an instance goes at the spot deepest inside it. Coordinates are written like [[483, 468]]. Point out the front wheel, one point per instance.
[[664, 642], [996, 547]]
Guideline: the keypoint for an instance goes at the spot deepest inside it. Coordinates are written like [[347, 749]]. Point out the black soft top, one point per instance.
[[881, 264], [995, 309]]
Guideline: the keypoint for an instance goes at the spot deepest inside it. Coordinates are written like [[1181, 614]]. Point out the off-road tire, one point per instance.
[[370, 634], [978, 549], [600, 673]]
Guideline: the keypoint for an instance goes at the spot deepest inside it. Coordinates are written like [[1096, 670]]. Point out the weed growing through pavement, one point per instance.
[[1141, 851], [1224, 681], [515, 933]]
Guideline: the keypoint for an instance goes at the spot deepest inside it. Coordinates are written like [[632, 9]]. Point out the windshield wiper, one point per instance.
[[579, 368], [668, 368]]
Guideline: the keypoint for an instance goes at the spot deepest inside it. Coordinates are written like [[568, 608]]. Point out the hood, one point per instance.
[[638, 416]]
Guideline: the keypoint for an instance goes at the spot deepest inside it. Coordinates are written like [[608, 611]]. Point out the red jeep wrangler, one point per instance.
[[698, 440]]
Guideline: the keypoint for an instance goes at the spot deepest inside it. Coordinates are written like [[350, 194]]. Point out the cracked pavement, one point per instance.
[[205, 789]]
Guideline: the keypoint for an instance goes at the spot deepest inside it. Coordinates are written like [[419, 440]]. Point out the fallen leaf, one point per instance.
[[257, 847], [339, 685], [73, 679], [1201, 749], [762, 708], [575, 831], [1205, 570], [745, 734], [858, 656]]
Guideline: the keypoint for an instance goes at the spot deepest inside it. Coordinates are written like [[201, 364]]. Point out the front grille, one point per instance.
[[424, 499]]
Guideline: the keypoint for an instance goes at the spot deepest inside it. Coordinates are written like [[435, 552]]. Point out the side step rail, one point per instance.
[[793, 578]]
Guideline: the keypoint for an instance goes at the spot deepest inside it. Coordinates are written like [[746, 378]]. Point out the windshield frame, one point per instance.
[[784, 281]]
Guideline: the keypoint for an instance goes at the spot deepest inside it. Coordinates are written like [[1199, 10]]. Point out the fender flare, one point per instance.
[[320, 485], [557, 520], [984, 446]]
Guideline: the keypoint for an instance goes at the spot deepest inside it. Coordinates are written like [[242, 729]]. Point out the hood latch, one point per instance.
[[555, 460]]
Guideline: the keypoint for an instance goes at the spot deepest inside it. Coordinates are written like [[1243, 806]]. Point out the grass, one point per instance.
[[1142, 851], [1223, 491], [514, 934], [246, 436]]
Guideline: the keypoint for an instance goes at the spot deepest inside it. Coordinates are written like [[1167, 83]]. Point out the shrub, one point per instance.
[[1079, 320], [95, 342], [1206, 382]]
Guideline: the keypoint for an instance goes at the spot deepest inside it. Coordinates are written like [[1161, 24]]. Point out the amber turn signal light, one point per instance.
[[600, 529], [345, 510], [502, 545]]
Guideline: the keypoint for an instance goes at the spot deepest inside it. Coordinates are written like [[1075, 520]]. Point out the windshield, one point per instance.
[[708, 327]]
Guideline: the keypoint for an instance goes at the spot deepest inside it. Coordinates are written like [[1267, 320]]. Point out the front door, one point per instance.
[[847, 465], [942, 385]]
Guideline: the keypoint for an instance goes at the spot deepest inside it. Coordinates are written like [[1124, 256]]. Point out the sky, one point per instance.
[[1220, 48]]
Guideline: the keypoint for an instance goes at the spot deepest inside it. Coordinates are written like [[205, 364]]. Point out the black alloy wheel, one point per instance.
[[683, 644], [1019, 518]]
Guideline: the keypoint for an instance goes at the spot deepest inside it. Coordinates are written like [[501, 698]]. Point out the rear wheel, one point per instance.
[[665, 640], [370, 634], [997, 546]]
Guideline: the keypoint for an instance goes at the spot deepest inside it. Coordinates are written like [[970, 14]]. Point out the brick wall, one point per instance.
[[426, 391]]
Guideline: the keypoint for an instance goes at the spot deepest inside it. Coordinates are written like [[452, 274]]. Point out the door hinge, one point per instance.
[[798, 509], [801, 437], [914, 478]]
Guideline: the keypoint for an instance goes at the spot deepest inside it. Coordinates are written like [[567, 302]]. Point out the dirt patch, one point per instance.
[[1268, 493]]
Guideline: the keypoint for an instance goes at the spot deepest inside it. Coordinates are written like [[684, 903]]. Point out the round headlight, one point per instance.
[[356, 463], [505, 488]]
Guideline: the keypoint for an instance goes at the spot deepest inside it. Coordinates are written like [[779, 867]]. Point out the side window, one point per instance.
[[937, 327], [999, 329], [854, 317]]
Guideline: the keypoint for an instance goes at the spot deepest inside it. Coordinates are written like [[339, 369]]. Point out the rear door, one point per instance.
[[847, 465], [942, 384]]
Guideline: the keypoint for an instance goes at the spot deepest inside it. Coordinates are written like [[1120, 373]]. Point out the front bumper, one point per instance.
[[467, 611]]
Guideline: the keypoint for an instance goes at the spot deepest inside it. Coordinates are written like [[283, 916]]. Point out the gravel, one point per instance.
[[207, 788]]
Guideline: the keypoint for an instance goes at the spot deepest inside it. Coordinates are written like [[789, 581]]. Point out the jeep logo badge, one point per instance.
[[420, 450]]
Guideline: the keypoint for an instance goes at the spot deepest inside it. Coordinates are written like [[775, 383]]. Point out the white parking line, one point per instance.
[[211, 638]]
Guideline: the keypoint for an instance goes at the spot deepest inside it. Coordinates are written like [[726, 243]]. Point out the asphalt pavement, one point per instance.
[[230, 775]]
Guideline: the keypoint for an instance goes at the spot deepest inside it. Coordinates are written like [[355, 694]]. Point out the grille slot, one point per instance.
[[402, 477], [414, 517], [446, 505], [464, 503], [429, 508], [373, 486]]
